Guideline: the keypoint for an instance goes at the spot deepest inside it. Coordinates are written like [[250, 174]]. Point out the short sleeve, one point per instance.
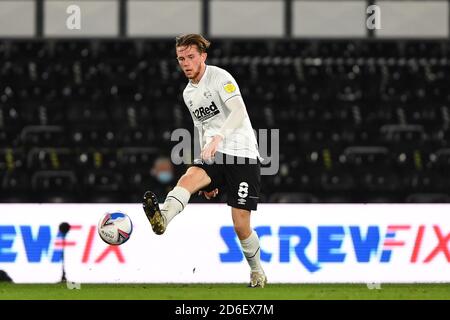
[[227, 86]]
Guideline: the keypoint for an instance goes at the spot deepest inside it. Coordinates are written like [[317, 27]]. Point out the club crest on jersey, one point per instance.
[[204, 113], [229, 87], [207, 94]]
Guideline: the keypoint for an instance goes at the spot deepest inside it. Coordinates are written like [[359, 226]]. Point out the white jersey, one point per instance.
[[206, 103]]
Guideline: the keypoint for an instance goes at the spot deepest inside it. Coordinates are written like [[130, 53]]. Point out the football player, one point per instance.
[[229, 157]]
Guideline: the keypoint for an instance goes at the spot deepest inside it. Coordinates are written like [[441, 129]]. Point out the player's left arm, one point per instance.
[[230, 94], [234, 120]]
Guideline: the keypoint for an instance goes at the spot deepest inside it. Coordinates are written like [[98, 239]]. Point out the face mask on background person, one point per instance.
[[164, 176]]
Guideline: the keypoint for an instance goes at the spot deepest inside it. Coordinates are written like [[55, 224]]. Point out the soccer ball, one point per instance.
[[115, 228]]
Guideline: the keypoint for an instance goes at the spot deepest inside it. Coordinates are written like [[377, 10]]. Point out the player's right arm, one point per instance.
[[199, 127]]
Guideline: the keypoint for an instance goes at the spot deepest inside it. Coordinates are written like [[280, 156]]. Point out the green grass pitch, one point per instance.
[[59, 291]]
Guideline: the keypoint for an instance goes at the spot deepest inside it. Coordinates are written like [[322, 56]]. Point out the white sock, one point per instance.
[[176, 201], [252, 252]]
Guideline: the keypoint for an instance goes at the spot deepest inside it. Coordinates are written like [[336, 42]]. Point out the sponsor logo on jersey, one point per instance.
[[204, 113], [229, 87]]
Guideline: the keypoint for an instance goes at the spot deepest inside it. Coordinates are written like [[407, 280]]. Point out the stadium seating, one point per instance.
[[360, 121]]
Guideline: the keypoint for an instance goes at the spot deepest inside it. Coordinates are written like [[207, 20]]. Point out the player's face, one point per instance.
[[191, 61]]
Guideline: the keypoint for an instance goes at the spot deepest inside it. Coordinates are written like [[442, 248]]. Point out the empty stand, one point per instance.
[[359, 121]]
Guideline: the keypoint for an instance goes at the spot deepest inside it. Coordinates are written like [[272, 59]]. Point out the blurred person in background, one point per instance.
[[163, 174]]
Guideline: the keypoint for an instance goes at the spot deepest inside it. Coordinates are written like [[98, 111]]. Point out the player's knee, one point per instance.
[[195, 174], [194, 178]]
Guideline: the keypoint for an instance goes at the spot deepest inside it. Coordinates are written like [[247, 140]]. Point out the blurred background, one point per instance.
[[86, 114]]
